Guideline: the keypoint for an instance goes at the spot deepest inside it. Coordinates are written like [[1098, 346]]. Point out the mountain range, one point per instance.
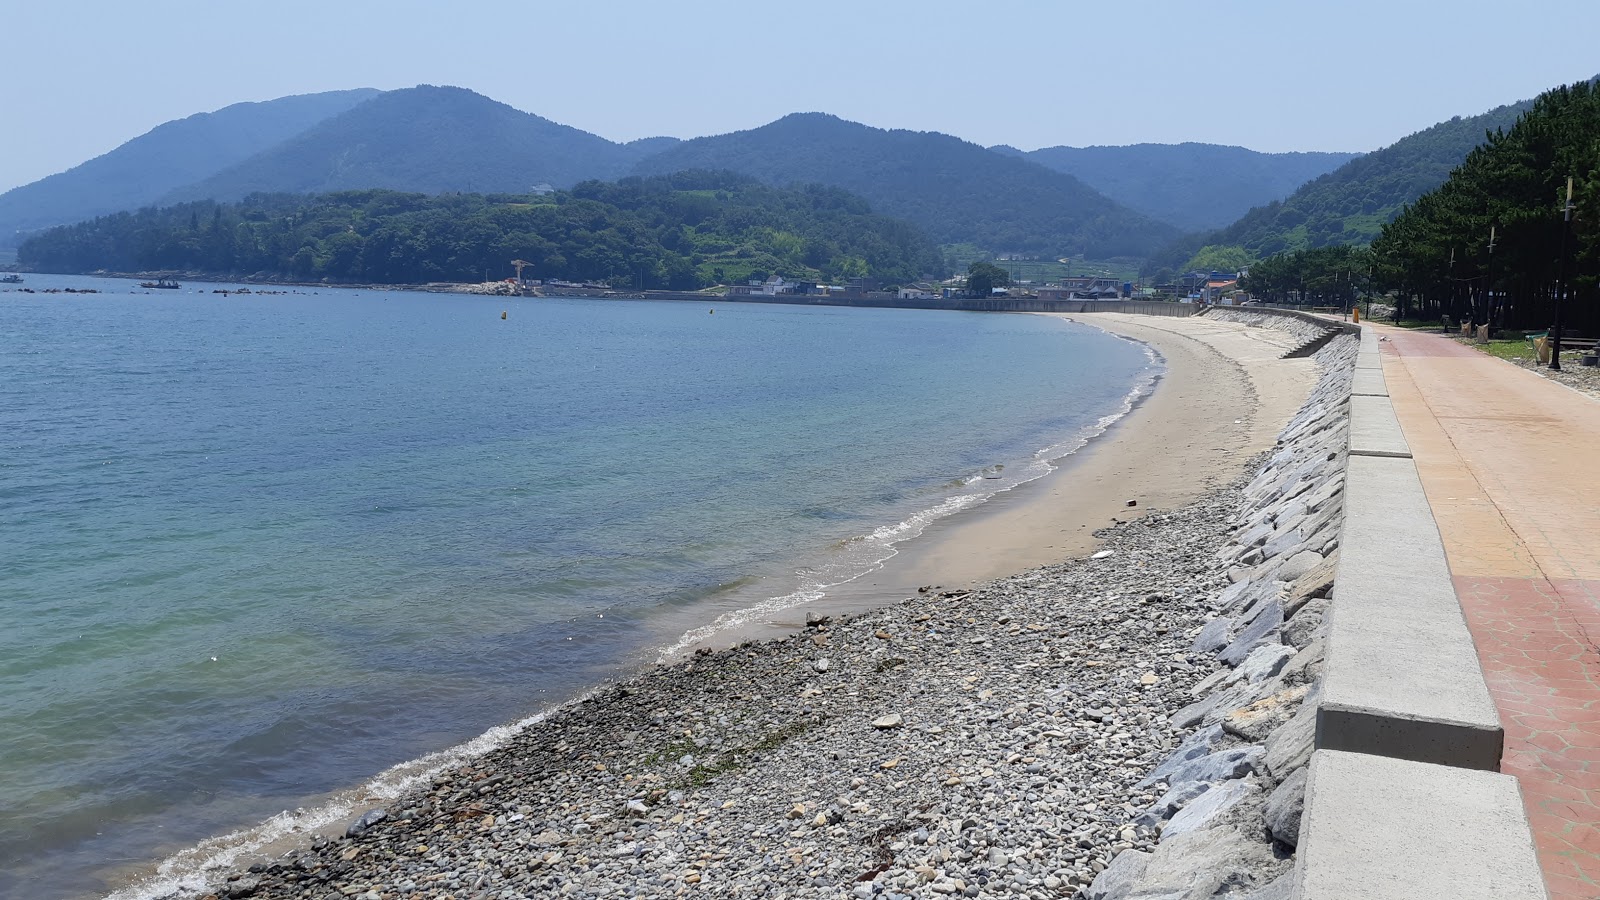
[[166, 158], [1351, 204], [1194, 187], [956, 191], [1135, 201], [429, 140]]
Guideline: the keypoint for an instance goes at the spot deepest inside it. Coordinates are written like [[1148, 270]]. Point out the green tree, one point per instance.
[[984, 277]]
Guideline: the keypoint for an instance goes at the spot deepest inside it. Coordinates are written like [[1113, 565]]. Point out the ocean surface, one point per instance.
[[256, 550]]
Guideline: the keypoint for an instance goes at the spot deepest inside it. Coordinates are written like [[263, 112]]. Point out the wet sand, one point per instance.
[[1224, 396]]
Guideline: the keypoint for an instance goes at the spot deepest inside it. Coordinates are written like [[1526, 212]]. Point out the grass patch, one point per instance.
[[732, 760]]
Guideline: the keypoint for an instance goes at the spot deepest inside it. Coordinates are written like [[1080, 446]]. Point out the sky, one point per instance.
[[78, 78]]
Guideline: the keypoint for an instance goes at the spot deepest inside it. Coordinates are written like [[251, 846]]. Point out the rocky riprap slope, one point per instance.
[[1232, 793], [1011, 741], [1304, 329]]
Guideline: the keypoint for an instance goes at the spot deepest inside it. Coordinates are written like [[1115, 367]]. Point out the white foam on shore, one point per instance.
[[193, 871], [867, 554]]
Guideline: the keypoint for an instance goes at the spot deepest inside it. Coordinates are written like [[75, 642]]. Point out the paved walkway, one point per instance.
[[1511, 466]]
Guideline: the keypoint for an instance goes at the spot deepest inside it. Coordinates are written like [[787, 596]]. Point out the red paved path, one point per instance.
[[1511, 466]]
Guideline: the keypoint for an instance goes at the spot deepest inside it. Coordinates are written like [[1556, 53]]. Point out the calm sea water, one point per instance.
[[256, 549]]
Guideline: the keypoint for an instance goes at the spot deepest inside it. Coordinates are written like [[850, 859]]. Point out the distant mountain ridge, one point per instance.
[[1351, 204], [176, 153], [1193, 187], [427, 140], [957, 191]]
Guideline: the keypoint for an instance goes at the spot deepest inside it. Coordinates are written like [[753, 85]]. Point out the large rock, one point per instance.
[[1307, 623], [1290, 747], [1208, 807], [1317, 582], [1223, 765], [1208, 862], [1306, 667], [1167, 805], [1263, 628], [1298, 565], [1260, 719], [1264, 662], [1212, 637], [1193, 747], [1285, 806], [1121, 878]]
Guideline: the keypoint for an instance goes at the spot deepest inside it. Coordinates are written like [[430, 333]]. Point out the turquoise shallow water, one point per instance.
[[253, 549]]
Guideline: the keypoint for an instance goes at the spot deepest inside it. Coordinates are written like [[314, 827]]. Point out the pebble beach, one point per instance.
[[1016, 738]]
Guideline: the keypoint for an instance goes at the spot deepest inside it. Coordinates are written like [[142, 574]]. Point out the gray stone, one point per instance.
[[1298, 565], [1207, 862], [1176, 797], [1303, 628], [1207, 807], [1211, 709], [1256, 536], [368, 819], [1235, 762], [1290, 746], [1285, 806], [1214, 680], [1289, 513], [1265, 627], [1230, 594], [1306, 664], [1121, 878], [1193, 747], [1264, 662], [1213, 637], [1284, 543], [1257, 721]]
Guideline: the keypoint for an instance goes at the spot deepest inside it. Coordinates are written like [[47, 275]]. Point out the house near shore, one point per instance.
[[920, 290], [772, 287], [1083, 288]]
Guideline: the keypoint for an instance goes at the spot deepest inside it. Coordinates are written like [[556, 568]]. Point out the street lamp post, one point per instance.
[[1488, 285], [1555, 331]]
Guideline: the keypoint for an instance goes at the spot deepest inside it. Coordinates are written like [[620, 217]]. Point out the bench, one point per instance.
[[1568, 342]]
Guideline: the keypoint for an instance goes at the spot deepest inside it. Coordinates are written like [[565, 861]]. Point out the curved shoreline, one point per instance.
[[1011, 532]]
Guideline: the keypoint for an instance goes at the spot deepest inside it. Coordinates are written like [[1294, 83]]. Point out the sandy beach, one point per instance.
[[1225, 394]]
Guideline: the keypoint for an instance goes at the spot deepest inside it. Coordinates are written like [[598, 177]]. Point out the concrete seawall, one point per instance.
[[1348, 727]]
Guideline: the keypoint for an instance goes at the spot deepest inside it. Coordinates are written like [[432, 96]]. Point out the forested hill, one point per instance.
[[1351, 204], [426, 139], [1194, 187], [1436, 254], [683, 231], [176, 153], [956, 191]]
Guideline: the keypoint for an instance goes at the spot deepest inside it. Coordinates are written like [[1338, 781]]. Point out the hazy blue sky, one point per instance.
[[79, 78]]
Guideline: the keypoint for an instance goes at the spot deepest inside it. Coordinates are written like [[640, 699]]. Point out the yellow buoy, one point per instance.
[[502, 314]]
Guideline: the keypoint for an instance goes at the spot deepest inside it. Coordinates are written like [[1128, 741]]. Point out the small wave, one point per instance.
[[855, 557], [196, 869]]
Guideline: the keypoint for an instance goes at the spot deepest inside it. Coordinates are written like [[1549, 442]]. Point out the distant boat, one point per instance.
[[10, 278], [166, 284]]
